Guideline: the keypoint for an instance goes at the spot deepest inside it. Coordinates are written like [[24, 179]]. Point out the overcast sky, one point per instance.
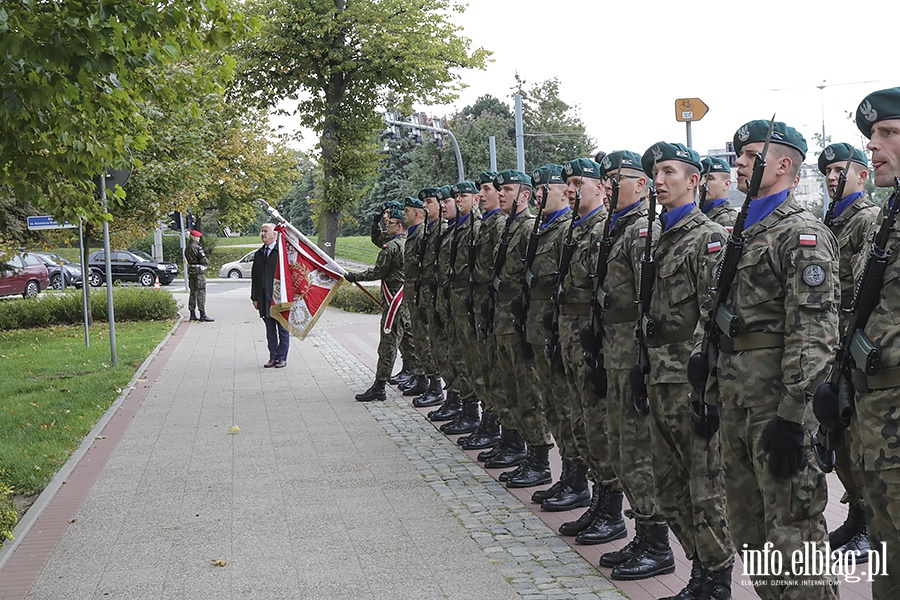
[[623, 64]]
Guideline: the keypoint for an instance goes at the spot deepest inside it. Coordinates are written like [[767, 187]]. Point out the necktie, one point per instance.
[[267, 251]]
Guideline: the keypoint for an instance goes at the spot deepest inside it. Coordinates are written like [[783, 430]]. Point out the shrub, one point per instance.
[[130, 303], [352, 299], [8, 514]]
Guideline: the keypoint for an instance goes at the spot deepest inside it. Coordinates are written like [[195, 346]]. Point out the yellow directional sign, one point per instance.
[[690, 109]]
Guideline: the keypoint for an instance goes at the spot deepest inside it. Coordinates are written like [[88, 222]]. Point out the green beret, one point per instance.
[[620, 159], [391, 204], [663, 151], [582, 167], [840, 153], [395, 213], [877, 106], [485, 177], [511, 176], [413, 202], [755, 131], [429, 192], [464, 187], [443, 193], [714, 164], [547, 174]]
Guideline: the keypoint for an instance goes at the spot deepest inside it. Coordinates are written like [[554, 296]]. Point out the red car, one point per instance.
[[23, 274]]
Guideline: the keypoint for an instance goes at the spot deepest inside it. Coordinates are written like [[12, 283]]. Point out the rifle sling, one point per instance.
[[751, 341], [883, 380]]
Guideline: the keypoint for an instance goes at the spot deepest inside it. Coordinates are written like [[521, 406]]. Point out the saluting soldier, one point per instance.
[[875, 439], [687, 461], [785, 296], [378, 233], [394, 318], [414, 219], [197, 265], [649, 553], [716, 174], [850, 218]]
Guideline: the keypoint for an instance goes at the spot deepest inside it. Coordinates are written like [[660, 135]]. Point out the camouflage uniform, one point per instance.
[[875, 435], [723, 214], [517, 375], [451, 356], [487, 378], [785, 292], [687, 469], [197, 264], [418, 357], [426, 296], [588, 420], [629, 432], [544, 274], [389, 269], [466, 338]]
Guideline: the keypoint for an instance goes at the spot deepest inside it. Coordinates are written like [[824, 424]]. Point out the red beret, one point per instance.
[[196, 233]]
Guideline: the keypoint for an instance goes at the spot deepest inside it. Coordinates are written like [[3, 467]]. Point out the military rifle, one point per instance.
[[552, 348], [489, 304], [418, 288], [439, 236], [521, 303], [838, 192], [451, 271], [856, 349], [704, 185], [647, 335], [473, 253], [720, 318]]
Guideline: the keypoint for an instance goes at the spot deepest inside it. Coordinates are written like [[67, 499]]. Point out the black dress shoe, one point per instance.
[[205, 319], [568, 498]]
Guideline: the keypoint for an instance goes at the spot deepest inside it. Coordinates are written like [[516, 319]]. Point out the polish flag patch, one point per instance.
[[807, 239], [713, 247], [729, 228], [642, 232]]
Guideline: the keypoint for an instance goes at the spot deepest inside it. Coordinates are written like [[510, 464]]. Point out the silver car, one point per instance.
[[239, 268]]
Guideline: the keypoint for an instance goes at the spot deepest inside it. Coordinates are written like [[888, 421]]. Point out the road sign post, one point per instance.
[[688, 110]]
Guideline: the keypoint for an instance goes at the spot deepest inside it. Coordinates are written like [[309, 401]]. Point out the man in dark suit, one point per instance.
[[261, 290]]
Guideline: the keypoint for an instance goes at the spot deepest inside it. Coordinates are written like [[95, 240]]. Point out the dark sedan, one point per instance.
[[130, 265], [59, 267]]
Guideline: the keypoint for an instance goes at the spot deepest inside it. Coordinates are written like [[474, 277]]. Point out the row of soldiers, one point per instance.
[[669, 345]]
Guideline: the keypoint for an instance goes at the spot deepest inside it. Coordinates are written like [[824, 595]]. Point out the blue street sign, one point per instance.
[[47, 222]]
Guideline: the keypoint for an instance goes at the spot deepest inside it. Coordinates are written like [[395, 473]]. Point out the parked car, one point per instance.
[[238, 269], [59, 267], [23, 274], [130, 265]]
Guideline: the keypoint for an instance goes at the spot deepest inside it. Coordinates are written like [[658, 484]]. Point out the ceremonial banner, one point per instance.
[[305, 281]]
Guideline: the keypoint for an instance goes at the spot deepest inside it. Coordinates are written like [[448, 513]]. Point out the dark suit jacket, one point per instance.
[[262, 279]]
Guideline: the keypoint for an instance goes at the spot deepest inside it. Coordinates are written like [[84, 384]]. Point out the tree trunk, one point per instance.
[[328, 230]]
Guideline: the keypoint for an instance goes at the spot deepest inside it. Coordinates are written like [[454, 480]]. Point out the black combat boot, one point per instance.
[[653, 558], [376, 392], [608, 523], [598, 500], [414, 386], [535, 471], [433, 396], [194, 316], [467, 421], [511, 453], [541, 495], [716, 585], [486, 436], [451, 407], [613, 559], [694, 585], [204, 318], [575, 494], [852, 536], [402, 375]]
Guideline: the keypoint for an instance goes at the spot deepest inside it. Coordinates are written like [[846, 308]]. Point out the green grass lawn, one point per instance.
[[55, 390]]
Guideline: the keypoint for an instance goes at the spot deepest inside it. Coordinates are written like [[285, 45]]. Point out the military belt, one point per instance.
[[576, 310], [612, 317], [459, 284], [546, 294], [481, 288], [676, 335], [884, 379], [507, 295], [751, 341]]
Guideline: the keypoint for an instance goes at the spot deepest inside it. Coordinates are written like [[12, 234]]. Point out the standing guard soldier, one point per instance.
[[716, 176], [394, 319], [414, 219], [775, 330], [648, 554], [850, 217], [687, 461], [197, 265]]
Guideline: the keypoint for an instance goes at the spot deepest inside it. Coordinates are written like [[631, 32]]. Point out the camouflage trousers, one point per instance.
[[409, 350], [389, 342], [446, 348], [687, 471], [419, 335], [197, 286], [629, 439], [487, 382], [523, 401], [465, 341], [430, 334], [882, 489], [556, 405], [589, 420], [847, 471], [786, 513]]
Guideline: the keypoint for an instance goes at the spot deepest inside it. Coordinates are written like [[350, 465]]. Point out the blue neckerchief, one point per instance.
[[430, 224], [487, 215], [461, 220], [760, 208], [395, 235], [620, 213], [519, 213], [581, 220], [670, 218], [706, 208], [451, 222], [553, 216], [412, 229], [845, 204]]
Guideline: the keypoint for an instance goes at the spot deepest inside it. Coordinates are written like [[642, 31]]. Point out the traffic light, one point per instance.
[[438, 136], [189, 220], [175, 220], [391, 131]]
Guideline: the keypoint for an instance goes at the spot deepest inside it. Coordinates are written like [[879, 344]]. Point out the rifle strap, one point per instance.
[[751, 341], [883, 380]]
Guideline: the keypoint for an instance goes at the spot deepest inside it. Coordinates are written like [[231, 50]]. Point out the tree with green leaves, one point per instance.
[[341, 60]]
